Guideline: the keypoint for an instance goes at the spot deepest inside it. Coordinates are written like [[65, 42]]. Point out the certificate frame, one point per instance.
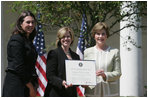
[[80, 72]]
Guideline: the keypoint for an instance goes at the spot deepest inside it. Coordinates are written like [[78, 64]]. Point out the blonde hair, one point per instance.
[[99, 26], [60, 34]]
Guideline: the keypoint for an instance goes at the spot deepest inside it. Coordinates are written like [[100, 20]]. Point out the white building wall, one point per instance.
[[131, 81]]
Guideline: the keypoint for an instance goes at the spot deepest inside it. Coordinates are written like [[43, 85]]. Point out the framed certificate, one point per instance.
[[80, 72]]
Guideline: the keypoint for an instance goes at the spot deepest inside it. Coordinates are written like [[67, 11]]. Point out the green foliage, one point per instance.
[[69, 13]]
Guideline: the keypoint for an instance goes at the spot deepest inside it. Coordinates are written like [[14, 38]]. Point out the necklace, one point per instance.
[[68, 55]]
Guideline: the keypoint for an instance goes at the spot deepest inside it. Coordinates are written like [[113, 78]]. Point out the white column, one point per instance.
[[131, 81]]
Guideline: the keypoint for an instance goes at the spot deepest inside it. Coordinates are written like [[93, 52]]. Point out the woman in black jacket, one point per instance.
[[21, 75], [55, 71]]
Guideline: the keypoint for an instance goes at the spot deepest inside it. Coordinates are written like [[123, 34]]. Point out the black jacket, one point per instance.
[[56, 74], [21, 57]]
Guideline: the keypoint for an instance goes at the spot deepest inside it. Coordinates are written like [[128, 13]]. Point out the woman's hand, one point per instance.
[[32, 90], [101, 73], [65, 84]]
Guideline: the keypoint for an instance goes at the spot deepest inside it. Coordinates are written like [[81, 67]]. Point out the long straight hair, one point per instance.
[[18, 28]]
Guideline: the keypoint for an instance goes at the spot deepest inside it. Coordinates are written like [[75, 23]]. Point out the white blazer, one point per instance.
[[109, 61]]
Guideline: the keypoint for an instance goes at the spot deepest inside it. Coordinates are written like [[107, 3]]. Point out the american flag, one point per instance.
[[81, 48], [39, 44]]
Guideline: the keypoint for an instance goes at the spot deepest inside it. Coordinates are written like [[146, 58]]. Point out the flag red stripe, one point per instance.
[[43, 59], [41, 85], [79, 92], [38, 94], [41, 70]]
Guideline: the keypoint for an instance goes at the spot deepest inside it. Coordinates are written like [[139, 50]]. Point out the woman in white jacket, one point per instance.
[[108, 69]]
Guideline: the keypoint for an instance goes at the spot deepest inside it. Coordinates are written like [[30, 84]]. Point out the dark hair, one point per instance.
[[18, 28]]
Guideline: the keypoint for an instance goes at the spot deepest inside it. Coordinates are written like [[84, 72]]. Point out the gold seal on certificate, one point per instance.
[[80, 72]]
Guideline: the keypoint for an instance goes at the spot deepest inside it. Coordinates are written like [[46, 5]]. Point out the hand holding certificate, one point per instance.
[[80, 72]]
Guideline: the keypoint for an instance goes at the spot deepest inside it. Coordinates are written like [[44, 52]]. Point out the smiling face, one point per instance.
[[100, 37], [65, 37], [28, 24], [66, 40]]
